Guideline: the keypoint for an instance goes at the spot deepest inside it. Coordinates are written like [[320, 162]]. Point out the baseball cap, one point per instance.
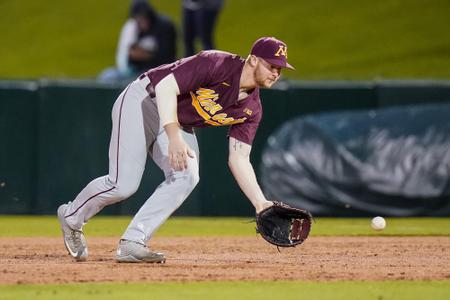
[[272, 50]]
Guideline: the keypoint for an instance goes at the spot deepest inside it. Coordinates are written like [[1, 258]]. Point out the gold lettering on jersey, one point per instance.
[[206, 94], [248, 111], [282, 50], [207, 99], [222, 119], [204, 103]]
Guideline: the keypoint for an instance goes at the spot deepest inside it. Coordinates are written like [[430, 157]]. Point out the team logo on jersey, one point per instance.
[[282, 50], [204, 102]]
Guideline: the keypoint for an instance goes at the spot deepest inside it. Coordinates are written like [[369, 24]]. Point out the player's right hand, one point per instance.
[[178, 153], [178, 149]]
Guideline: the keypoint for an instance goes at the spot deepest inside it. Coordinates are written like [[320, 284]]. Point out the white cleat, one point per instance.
[[73, 239], [133, 252]]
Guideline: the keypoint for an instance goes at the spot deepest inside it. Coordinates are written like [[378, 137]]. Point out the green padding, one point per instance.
[[55, 139], [17, 147], [220, 194], [74, 125], [392, 93]]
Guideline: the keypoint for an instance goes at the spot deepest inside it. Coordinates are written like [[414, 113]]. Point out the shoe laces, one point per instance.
[[76, 238]]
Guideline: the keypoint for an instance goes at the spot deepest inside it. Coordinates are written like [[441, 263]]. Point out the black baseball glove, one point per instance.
[[283, 225]]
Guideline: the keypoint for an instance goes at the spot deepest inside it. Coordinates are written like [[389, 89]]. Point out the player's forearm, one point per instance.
[[245, 176], [173, 131], [166, 99]]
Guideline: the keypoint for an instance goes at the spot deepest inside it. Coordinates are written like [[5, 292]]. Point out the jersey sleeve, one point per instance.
[[245, 132], [193, 72]]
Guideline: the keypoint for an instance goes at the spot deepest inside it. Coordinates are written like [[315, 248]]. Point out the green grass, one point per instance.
[[327, 39], [192, 226], [397, 290]]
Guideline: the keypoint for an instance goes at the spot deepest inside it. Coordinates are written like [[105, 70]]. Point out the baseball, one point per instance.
[[378, 223]]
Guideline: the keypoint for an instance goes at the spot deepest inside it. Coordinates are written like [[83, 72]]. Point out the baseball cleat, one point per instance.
[[73, 239], [133, 252]]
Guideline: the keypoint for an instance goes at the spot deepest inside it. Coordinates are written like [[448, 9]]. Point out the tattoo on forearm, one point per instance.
[[237, 144]]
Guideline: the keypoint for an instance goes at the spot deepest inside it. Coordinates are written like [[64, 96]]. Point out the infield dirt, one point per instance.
[[44, 260]]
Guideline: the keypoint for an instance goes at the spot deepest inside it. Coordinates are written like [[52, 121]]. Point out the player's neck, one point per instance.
[[247, 81]]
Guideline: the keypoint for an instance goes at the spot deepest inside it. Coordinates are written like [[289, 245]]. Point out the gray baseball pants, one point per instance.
[[136, 132]]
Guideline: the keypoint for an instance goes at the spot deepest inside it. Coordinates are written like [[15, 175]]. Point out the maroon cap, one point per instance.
[[272, 50]]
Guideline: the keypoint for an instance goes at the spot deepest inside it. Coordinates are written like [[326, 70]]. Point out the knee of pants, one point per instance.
[[189, 178], [193, 178], [124, 191]]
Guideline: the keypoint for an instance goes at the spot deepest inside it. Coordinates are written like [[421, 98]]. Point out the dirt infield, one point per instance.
[[44, 260]]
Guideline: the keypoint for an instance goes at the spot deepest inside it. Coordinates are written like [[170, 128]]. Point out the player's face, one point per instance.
[[266, 74]]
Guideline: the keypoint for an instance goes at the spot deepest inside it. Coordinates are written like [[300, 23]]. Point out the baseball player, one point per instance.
[[155, 115]]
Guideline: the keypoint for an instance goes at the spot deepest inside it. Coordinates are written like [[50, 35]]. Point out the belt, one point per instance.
[[187, 129], [150, 88]]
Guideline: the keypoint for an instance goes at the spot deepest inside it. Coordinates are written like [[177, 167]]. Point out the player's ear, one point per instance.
[[252, 61]]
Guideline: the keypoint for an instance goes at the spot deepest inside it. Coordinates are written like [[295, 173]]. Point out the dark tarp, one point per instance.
[[390, 162]]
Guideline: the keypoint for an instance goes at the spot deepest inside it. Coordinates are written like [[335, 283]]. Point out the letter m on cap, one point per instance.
[[282, 50]]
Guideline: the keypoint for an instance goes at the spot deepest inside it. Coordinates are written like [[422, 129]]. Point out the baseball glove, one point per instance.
[[283, 225]]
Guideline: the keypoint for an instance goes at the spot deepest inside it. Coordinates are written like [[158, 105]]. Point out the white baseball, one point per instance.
[[378, 223]]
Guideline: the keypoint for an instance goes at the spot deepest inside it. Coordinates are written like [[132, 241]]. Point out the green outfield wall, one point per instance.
[[55, 137]]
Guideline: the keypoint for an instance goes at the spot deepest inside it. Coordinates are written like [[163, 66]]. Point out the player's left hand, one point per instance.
[[283, 225]]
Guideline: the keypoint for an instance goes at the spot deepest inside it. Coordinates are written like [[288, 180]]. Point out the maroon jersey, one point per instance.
[[209, 90]]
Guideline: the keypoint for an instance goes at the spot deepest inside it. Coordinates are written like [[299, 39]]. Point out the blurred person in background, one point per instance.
[[199, 21], [147, 40]]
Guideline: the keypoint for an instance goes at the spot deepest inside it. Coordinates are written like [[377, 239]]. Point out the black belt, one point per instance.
[[188, 129], [150, 88]]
